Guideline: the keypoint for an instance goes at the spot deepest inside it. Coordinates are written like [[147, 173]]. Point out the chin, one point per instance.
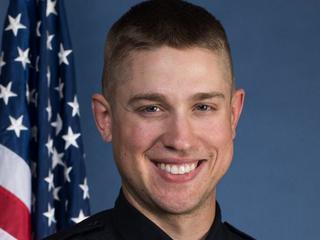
[[181, 202]]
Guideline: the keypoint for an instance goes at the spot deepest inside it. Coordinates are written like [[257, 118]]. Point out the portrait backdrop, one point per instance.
[[272, 190]]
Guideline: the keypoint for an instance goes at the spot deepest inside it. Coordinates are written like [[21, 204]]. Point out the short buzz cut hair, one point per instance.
[[156, 23]]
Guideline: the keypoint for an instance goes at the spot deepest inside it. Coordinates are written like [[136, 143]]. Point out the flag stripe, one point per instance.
[[11, 162], [13, 210], [6, 236]]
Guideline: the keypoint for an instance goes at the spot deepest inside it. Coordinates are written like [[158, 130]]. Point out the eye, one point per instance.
[[204, 107], [150, 109]]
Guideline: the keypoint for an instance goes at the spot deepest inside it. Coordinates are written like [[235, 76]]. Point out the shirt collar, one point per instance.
[[133, 225]]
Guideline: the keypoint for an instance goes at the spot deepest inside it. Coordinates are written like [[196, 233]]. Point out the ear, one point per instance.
[[236, 108], [102, 115]]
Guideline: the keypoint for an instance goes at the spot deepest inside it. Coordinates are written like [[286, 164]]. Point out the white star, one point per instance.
[[49, 41], [67, 171], [63, 54], [38, 29], [51, 7], [15, 25], [50, 215], [49, 145], [30, 95], [55, 193], [23, 57], [5, 92], [49, 110], [48, 76], [56, 158], [37, 63], [80, 218], [71, 138], [2, 62], [16, 125], [49, 180], [57, 124], [59, 88], [85, 189], [75, 106]]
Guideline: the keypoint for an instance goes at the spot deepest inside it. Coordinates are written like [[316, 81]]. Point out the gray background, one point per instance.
[[272, 188]]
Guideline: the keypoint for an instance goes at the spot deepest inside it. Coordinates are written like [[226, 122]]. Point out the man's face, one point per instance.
[[172, 127]]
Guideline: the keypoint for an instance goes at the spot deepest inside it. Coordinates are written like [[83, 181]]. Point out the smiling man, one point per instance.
[[170, 108]]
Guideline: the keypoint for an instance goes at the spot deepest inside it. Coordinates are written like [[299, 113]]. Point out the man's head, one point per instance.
[[168, 106], [157, 23]]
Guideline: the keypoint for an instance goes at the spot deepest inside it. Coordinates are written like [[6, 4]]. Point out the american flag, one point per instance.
[[43, 186]]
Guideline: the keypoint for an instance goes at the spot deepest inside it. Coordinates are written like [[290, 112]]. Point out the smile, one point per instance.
[[177, 169]]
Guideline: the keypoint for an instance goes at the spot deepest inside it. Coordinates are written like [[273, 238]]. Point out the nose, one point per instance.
[[179, 134]]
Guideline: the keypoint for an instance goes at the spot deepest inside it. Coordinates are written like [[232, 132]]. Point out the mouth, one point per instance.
[[178, 171]]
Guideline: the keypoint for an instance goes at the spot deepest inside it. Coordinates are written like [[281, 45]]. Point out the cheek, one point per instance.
[[136, 136]]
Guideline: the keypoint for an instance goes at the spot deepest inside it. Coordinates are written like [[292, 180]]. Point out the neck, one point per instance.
[[189, 226], [193, 225]]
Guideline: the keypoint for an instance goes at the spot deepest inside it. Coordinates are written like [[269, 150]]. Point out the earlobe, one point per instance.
[[102, 115], [236, 105]]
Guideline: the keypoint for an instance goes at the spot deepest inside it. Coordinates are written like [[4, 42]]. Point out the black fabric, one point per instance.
[[124, 222]]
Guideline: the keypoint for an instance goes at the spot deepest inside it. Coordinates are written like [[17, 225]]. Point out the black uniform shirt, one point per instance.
[[124, 222]]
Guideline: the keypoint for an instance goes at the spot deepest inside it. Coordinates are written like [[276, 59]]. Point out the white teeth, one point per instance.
[[177, 169], [174, 169]]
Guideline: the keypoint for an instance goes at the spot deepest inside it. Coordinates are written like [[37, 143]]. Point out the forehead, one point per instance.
[[172, 71]]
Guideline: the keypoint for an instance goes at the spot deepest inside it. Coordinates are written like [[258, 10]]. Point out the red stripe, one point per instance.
[[14, 216]]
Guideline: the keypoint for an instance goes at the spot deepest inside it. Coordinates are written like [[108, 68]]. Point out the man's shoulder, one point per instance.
[[234, 233], [95, 227]]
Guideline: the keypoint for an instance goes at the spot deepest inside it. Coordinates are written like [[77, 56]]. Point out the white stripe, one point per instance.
[[6, 236], [15, 175]]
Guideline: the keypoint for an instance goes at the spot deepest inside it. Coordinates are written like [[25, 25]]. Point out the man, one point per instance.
[[170, 108]]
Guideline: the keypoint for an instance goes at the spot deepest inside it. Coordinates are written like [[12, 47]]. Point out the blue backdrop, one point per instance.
[[272, 190]]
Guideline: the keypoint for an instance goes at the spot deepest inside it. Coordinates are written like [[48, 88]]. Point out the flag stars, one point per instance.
[[37, 63], [49, 145], [80, 217], [51, 7], [85, 189], [16, 125], [49, 41], [67, 171], [38, 29], [50, 215], [49, 180], [49, 110], [59, 88], [57, 124], [56, 193], [48, 75], [56, 158], [23, 57], [6, 93], [2, 62], [63, 54], [70, 139], [14, 24], [75, 106], [31, 96]]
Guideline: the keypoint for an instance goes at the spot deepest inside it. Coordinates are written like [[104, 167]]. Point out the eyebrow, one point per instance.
[[154, 97], [207, 95], [157, 97]]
